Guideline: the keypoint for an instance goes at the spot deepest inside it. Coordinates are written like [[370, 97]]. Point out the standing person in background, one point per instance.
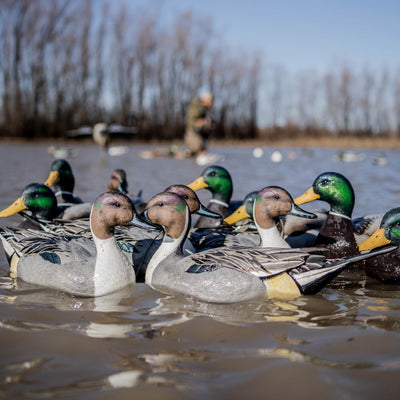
[[199, 125]]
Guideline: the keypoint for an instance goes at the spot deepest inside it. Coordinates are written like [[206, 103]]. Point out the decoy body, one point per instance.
[[386, 267], [75, 264], [227, 275]]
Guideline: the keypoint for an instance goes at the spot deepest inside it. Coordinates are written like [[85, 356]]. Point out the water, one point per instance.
[[342, 343]]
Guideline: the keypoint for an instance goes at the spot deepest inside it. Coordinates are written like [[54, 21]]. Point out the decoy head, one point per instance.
[[109, 210], [217, 180], [387, 233], [169, 212], [192, 200], [118, 181], [37, 198], [61, 176], [244, 211], [335, 189]]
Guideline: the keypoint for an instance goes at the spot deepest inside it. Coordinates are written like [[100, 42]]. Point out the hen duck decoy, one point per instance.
[[340, 234], [75, 264], [62, 181], [218, 181], [386, 267], [227, 275], [117, 182], [267, 206]]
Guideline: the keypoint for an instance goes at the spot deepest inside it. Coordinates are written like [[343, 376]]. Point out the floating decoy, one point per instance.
[[231, 274], [75, 264]]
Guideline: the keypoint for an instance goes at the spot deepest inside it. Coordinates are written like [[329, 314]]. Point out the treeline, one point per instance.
[[68, 63]]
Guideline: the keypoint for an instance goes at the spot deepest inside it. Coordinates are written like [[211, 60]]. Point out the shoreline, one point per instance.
[[341, 143]]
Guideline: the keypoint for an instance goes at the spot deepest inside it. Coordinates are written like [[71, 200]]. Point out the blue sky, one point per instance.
[[307, 34]]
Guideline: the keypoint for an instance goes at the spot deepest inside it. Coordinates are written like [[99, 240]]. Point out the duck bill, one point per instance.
[[205, 212], [142, 222], [299, 212], [307, 196], [238, 215], [198, 184], [377, 239], [16, 207], [53, 178]]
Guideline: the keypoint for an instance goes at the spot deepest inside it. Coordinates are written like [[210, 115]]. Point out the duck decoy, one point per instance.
[[75, 264], [267, 206], [118, 182], [340, 234], [227, 275], [386, 267], [218, 181], [62, 181], [37, 204], [337, 234]]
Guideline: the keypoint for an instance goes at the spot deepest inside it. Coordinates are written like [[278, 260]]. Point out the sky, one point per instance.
[[307, 34]]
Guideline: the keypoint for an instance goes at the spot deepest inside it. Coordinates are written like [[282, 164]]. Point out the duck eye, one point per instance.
[[185, 196], [213, 173], [160, 204], [276, 197], [325, 181], [117, 205]]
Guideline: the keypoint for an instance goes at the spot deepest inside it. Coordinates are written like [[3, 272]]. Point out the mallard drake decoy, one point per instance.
[[339, 233], [386, 267], [269, 204], [227, 275], [75, 264], [218, 181], [62, 181], [41, 203]]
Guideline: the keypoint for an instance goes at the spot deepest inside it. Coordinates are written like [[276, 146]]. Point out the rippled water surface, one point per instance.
[[342, 343]]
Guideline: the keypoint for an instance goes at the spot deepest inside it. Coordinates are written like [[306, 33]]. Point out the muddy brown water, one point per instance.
[[343, 343]]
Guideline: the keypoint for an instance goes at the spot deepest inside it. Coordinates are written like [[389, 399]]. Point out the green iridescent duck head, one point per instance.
[[37, 198], [387, 233], [61, 178], [217, 180], [335, 189], [244, 211]]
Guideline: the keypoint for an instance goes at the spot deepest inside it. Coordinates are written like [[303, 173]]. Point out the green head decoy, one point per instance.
[[244, 211], [61, 179], [335, 189], [37, 198], [387, 233], [217, 180]]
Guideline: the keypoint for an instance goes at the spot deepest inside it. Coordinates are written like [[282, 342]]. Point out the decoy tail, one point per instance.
[[313, 280]]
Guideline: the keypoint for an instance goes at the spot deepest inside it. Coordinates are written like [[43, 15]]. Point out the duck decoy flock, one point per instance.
[[265, 246]]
